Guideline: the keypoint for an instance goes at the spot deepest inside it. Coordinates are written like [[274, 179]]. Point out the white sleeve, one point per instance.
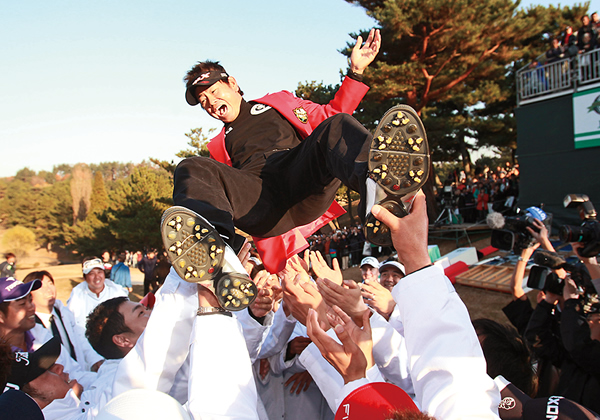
[[278, 335], [74, 369], [66, 408], [76, 305], [83, 348], [254, 332], [390, 354], [221, 384], [329, 381], [163, 347], [446, 361]]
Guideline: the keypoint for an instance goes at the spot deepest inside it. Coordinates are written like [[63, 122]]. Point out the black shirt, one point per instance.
[[258, 130]]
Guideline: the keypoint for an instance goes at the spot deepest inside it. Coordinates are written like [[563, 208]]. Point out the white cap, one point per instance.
[[372, 261], [393, 264], [89, 265], [138, 404]]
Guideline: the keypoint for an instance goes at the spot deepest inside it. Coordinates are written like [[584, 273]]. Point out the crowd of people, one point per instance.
[[471, 199], [569, 43], [281, 334]]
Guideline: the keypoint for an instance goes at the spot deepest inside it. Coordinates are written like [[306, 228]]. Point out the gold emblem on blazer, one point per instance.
[[301, 115]]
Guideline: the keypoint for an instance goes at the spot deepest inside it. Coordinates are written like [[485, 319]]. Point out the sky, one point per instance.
[[92, 82]]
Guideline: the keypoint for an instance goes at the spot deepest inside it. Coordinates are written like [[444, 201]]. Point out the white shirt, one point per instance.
[[82, 301], [92, 400], [86, 356], [445, 359]]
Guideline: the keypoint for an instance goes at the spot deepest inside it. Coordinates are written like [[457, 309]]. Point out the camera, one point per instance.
[[543, 277], [588, 232], [511, 232]]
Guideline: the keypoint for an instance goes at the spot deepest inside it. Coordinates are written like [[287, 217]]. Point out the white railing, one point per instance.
[[563, 75]]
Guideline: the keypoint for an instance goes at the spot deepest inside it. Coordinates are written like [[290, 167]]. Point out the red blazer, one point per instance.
[[305, 116]]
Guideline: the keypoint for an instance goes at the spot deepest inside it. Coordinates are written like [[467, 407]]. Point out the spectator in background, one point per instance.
[[556, 51], [390, 273], [94, 290], [369, 269], [161, 271], [586, 43], [356, 240], [108, 263], [568, 38], [595, 22], [120, 273], [7, 268], [146, 266]]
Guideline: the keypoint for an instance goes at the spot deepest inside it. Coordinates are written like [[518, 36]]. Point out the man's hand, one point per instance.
[[347, 297], [263, 304], [409, 233], [263, 368], [570, 289], [323, 271], [379, 297], [363, 337], [363, 55], [297, 346], [97, 365], [299, 297], [294, 266], [244, 256], [541, 236], [300, 382], [206, 298], [347, 358]]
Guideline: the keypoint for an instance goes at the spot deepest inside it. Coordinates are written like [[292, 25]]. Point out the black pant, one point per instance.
[[291, 188]]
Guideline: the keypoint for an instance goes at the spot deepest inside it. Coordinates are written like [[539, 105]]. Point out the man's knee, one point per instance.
[[194, 167]]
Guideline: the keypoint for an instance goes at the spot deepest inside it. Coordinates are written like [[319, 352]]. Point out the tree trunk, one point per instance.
[[466, 156]]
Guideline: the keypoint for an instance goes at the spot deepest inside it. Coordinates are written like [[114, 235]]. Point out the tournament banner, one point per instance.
[[586, 118]]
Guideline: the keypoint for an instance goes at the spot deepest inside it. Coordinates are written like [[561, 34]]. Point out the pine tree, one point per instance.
[[99, 200]]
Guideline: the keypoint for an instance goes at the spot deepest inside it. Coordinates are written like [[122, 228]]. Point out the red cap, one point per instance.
[[374, 401]]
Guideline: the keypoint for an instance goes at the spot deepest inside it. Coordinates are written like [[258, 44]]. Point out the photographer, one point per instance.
[[580, 331], [544, 335], [519, 311], [559, 336]]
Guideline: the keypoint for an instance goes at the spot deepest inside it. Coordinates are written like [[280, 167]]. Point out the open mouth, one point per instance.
[[222, 110]]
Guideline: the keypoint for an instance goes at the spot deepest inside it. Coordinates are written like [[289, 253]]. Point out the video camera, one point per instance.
[[511, 232], [542, 276], [588, 232]]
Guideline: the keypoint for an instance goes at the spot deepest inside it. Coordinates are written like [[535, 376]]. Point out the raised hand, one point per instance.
[[263, 304], [347, 358], [363, 55], [379, 298], [299, 297], [409, 233], [244, 256], [322, 270], [347, 297]]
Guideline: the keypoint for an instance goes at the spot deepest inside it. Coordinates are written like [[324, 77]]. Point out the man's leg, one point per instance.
[[386, 169], [218, 192]]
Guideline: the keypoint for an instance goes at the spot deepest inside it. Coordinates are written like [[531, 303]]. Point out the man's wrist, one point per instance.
[[212, 310], [355, 74]]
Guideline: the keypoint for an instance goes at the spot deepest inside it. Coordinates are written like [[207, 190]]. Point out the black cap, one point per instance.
[[205, 80], [516, 405], [27, 366]]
